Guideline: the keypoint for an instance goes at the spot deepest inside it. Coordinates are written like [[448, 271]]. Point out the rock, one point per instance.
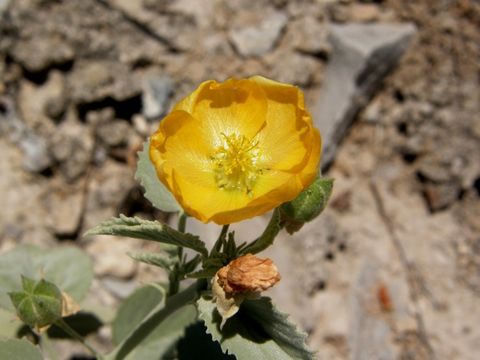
[[108, 188], [293, 68], [65, 206], [364, 12], [260, 39], [110, 256], [118, 288], [105, 115], [113, 134], [47, 53], [441, 196], [35, 152], [362, 54], [434, 170], [310, 36], [174, 29], [3, 5], [38, 105], [155, 96], [92, 81], [72, 147]]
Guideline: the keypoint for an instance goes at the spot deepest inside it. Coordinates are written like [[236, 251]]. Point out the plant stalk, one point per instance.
[[65, 327]]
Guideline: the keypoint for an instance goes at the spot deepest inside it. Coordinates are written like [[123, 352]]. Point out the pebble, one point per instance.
[[260, 39]]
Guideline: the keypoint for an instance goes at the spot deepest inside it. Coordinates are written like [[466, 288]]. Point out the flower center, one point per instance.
[[235, 163]]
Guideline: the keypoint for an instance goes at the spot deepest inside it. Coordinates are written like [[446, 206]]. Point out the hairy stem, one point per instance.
[[65, 327]]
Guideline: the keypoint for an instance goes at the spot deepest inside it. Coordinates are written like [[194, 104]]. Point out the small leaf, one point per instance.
[[148, 230], [257, 331], [15, 349], [190, 265], [155, 191], [134, 309], [267, 237], [156, 259], [203, 274]]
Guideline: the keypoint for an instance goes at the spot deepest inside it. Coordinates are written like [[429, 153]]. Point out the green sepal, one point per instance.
[[39, 304], [308, 205]]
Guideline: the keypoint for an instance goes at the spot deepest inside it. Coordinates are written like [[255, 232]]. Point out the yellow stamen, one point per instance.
[[236, 163]]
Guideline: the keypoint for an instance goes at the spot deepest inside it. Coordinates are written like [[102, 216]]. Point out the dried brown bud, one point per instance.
[[248, 273], [243, 277]]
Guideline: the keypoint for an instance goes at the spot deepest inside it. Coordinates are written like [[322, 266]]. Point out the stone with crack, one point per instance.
[[362, 54]]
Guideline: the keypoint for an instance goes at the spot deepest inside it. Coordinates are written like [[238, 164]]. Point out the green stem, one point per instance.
[[156, 316], [182, 222], [174, 281], [65, 327]]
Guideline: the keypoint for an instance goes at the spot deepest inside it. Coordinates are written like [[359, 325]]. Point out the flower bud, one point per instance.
[[308, 205], [39, 304], [244, 277]]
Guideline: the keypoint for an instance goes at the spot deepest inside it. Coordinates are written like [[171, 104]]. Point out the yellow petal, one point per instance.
[[286, 131], [232, 107], [181, 143]]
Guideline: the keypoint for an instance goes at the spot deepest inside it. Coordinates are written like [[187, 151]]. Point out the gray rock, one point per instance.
[[258, 40], [308, 35], [3, 5], [96, 80], [156, 92], [294, 68], [65, 208], [115, 133], [72, 147], [35, 151], [47, 53], [362, 54], [441, 196], [36, 156]]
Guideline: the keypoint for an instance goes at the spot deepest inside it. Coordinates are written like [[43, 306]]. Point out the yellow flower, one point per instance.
[[233, 150]]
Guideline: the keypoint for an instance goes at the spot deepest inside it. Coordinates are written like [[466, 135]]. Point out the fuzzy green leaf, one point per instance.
[[148, 230], [267, 237], [134, 309], [160, 329], [15, 349], [155, 191], [156, 259], [257, 331], [70, 269], [203, 274]]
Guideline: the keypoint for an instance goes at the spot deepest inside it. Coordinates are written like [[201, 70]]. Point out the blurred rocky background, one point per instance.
[[391, 270]]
